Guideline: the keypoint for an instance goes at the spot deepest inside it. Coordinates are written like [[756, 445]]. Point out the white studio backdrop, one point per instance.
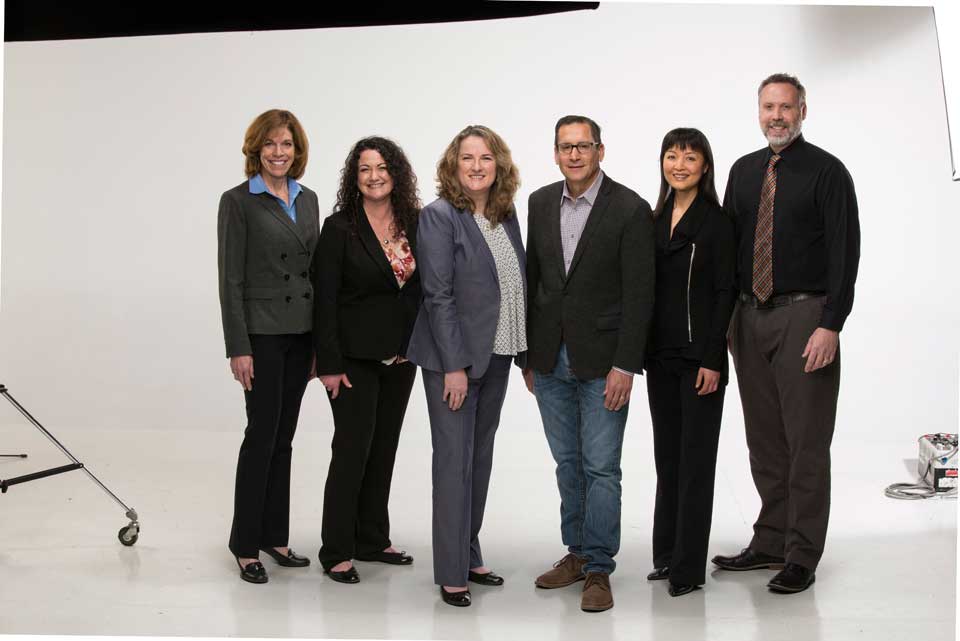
[[116, 152]]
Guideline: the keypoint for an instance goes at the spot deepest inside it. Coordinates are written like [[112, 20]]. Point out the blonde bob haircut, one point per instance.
[[260, 129], [500, 201]]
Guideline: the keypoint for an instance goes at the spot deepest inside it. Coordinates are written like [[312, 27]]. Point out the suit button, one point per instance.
[[307, 295], [286, 277], [283, 256], [303, 274], [289, 298]]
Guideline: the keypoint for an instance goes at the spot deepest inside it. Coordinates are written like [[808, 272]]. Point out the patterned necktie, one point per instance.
[[763, 236]]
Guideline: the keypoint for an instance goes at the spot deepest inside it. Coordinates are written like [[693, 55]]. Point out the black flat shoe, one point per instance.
[[347, 576], [253, 572], [291, 560], [393, 558], [488, 578], [791, 579], [679, 589], [458, 599], [659, 574]]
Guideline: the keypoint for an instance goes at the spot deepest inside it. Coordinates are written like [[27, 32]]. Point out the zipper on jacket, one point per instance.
[[693, 251]]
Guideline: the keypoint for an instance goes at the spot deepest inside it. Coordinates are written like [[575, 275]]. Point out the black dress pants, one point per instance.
[[686, 431], [261, 510], [367, 420]]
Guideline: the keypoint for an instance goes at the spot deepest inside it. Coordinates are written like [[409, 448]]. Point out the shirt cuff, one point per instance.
[[623, 371]]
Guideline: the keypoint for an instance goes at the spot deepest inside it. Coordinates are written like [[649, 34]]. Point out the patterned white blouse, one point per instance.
[[511, 336]]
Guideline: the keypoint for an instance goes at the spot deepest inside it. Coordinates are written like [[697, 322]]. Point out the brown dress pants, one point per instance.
[[789, 418]]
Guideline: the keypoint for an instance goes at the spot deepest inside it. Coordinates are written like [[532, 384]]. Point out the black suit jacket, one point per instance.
[[601, 309], [361, 311], [695, 285]]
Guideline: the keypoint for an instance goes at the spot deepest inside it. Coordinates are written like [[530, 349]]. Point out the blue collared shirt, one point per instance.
[[257, 186]]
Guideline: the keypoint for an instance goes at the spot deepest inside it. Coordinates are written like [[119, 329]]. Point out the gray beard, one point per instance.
[[786, 139]]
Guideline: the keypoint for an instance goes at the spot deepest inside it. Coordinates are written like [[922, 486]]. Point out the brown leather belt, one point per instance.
[[777, 301]]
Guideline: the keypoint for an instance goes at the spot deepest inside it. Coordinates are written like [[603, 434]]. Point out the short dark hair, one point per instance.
[[572, 120], [693, 139], [786, 79]]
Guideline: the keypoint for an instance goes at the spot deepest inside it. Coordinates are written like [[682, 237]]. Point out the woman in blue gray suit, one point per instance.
[[267, 231], [471, 324]]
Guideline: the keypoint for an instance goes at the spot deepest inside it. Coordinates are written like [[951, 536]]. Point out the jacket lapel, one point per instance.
[[553, 230], [479, 242], [512, 226], [689, 226], [372, 245], [271, 205], [593, 221]]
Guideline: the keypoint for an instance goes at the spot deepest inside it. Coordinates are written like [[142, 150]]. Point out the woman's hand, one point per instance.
[[455, 388], [242, 368], [707, 381], [332, 383]]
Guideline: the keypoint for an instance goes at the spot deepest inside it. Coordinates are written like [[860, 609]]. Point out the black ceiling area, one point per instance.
[[28, 20]]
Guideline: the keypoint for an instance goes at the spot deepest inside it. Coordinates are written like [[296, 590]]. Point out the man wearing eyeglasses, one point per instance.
[[590, 279]]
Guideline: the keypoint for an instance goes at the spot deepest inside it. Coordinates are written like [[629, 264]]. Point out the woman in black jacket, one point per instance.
[[368, 295], [687, 356]]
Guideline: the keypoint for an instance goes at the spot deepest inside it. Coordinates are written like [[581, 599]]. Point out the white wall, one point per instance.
[[116, 151]]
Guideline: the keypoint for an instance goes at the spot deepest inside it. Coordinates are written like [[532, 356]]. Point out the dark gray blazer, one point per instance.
[[601, 309], [264, 265], [457, 321]]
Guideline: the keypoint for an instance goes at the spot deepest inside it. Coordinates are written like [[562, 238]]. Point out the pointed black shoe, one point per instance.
[[791, 579], [253, 572], [458, 599], [659, 574], [748, 560], [488, 578], [346, 576], [679, 589], [291, 560], [393, 558]]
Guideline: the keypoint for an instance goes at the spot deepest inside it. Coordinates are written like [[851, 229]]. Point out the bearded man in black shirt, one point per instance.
[[798, 247]]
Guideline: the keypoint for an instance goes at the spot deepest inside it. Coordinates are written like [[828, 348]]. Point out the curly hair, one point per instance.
[[257, 134], [500, 201], [403, 197]]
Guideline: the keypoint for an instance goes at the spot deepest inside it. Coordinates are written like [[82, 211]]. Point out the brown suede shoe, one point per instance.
[[566, 571], [597, 595]]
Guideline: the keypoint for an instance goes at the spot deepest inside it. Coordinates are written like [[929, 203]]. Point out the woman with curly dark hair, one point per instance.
[[367, 296]]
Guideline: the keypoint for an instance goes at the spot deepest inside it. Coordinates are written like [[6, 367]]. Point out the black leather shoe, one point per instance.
[[748, 560], [792, 578], [458, 599], [679, 589], [253, 572], [488, 578], [291, 560], [346, 576], [659, 574], [393, 558]]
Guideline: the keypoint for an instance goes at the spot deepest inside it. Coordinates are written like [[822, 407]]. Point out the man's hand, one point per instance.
[[821, 349], [455, 388], [616, 393], [242, 368], [528, 379]]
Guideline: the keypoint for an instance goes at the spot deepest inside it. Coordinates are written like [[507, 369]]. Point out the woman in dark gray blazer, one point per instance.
[[687, 355], [368, 292], [267, 232], [471, 324]]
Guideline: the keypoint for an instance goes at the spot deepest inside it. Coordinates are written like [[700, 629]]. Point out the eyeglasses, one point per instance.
[[567, 148]]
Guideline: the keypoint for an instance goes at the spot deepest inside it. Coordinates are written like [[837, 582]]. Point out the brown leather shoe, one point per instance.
[[566, 571], [597, 595]]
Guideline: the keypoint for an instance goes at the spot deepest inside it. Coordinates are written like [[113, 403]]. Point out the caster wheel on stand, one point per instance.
[[129, 534]]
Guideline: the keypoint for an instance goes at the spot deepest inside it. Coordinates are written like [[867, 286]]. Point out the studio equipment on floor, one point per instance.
[[128, 534], [936, 468]]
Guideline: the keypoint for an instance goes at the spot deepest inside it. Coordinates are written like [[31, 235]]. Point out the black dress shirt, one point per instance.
[[816, 229]]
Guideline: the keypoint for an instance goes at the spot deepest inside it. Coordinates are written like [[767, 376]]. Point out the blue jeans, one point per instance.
[[586, 440]]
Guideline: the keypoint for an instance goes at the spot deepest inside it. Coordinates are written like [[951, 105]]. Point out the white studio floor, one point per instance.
[[888, 573]]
